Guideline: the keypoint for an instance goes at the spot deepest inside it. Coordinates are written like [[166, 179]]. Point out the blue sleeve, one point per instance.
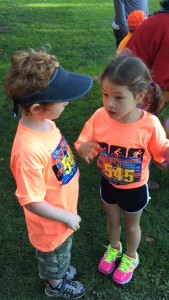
[[123, 8], [120, 16]]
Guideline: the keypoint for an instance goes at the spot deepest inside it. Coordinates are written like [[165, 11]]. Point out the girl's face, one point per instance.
[[119, 102]]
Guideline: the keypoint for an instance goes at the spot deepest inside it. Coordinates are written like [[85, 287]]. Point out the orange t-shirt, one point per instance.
[[44, 168], [126, 149]]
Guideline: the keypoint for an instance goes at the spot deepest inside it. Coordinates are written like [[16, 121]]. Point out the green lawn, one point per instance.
[[80, 35]]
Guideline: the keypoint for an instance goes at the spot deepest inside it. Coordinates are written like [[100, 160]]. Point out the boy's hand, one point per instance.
[[73, 221], [88, 150]]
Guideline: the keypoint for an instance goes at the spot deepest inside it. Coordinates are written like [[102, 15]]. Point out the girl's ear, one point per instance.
[[35, 109], [141, 96]]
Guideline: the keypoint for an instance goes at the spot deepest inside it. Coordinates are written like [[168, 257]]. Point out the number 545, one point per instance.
[[127, 175]]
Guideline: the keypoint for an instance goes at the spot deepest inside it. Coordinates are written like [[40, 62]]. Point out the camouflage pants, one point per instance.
[[54, 264]]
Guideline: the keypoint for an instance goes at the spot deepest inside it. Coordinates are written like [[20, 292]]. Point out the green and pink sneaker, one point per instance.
[[123, 274], [107, 263]]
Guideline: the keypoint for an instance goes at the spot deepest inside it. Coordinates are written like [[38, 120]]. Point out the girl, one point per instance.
[[126, 138]]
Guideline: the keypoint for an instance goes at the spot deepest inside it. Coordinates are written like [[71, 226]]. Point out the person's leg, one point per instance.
[[130, 260], [54, 267], [132, 225], [118, 36], [114, 217], [133, 201], [114, 250]]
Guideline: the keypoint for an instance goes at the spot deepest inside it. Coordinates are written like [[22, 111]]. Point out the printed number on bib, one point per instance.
[[127, 175], [120, 170]]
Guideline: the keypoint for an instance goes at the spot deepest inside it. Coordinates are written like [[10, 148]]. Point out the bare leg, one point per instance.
[[132, 223], [114, 216]]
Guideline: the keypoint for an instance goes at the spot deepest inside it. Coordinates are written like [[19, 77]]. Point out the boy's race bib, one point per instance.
[[65, 166]]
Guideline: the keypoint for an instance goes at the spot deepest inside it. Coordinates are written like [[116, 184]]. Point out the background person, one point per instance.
[[122, 9], [134, 20], [151, 43]]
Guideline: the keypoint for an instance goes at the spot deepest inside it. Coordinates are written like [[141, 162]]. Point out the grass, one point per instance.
[[80, 35]]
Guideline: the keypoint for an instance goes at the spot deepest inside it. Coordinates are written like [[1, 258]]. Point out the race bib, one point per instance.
[[120, 170], [65, 166]]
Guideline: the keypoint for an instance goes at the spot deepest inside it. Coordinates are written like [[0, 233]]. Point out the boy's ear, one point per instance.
[[35, 109], [141, 96]]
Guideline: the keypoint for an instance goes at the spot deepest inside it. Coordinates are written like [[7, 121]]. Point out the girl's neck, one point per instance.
[[135, 116], [41, 125], [132, 117]]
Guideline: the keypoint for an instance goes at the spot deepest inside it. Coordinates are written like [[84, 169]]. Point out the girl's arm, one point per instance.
[[86, 145], [88, 150], [48, 211]]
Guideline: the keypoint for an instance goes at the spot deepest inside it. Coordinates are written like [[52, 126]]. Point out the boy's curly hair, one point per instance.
[[30, 70]]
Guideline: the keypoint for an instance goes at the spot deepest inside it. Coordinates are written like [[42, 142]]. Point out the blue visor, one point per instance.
[[64, 86]]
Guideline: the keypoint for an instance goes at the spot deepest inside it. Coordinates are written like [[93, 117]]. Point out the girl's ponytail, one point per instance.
[[152, 98]]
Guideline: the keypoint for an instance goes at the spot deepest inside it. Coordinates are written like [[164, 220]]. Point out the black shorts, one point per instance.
[[129, 200]]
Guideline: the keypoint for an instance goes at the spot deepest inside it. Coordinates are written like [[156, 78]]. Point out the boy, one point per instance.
[[43, 165]]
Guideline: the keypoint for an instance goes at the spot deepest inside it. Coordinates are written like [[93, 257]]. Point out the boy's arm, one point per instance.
[[49, 211]]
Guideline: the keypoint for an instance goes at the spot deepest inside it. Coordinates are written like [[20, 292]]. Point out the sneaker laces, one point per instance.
[[67, 287], [125, 263], [110, 254]]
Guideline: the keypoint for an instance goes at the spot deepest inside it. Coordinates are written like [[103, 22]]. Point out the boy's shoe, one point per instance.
[[71, 273], [107, 263], [67, 289], [124, 272]]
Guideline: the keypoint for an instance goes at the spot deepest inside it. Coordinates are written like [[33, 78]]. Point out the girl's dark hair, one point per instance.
[[165, 4], [132, 72]]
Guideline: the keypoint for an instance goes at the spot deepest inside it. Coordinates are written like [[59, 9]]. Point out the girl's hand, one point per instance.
[[73, 221], [88, 150]]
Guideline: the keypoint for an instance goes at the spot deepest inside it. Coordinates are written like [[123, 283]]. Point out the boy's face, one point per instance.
[[54, 111]]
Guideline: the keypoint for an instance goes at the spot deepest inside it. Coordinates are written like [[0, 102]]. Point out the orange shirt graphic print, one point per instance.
[[119, 169]]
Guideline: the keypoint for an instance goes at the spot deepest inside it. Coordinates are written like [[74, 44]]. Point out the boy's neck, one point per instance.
[[35, 123]]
